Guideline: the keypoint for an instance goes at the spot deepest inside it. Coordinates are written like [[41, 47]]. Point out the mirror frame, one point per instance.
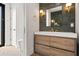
[[48, 14]]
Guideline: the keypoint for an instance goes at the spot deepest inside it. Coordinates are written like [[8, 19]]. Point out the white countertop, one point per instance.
[[60, 34]]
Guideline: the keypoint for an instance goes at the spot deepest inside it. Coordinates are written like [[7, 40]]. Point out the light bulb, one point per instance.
[[41, 11], [68, 4], [52, 21], [72, 25]]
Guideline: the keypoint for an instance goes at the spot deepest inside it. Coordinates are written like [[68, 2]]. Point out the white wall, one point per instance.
[[77, 23], [77, 18], [32, 25], [20, 26], [7, 24], [27, 22], [13, 25], [20, 17]]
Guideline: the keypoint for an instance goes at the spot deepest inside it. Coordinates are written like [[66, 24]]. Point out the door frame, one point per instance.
[[2, 25]]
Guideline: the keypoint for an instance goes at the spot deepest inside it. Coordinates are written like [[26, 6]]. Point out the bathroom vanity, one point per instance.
[[56, 35], [55, 43]]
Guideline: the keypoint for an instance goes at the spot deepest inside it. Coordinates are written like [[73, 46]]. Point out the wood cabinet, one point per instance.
[[42, 39], [63, 43], [42, 50], [55, 46], [60, 52]]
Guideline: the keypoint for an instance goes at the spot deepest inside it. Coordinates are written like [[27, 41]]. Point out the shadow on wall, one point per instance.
[[77, 46]]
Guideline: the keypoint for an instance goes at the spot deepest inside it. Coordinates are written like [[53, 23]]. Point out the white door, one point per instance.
[[13, 27]]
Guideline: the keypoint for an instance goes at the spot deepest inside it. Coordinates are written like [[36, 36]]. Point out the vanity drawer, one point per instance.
[[59, 52], [42, 39], [64, 43], [43, 50]]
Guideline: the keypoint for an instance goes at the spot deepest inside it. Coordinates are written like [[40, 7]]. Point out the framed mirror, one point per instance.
[[57, 17], [2, 24]]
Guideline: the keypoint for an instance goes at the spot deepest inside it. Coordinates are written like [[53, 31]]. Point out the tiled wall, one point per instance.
[[67, 18]]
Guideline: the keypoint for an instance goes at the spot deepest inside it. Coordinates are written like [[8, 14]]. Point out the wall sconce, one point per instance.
[[42, 12], [68, 6]]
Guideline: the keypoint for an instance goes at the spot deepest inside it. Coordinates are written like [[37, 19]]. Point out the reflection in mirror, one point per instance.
[[59, 17], [49, 13], [56, 17]]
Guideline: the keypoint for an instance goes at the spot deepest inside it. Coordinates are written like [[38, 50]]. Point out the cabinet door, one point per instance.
[[59, 52], [42, 39], [64, 43], [42, 50]]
